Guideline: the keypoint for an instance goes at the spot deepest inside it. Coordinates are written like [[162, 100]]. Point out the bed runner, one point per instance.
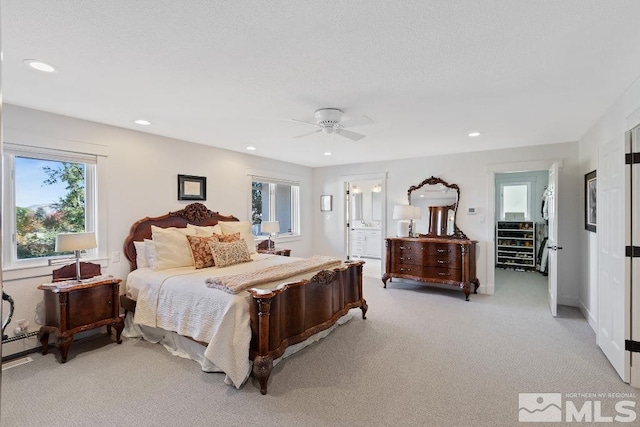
[[240, 282]]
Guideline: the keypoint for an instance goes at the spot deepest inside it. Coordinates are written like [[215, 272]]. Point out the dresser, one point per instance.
[[451, 261]]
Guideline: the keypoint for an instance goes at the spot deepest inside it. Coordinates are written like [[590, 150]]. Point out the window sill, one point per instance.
[[20, 273]]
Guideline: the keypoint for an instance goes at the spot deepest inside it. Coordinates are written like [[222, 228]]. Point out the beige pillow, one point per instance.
[[141, 255], [201, 251], [225, 254], [150, 251], [242, 227], [172, 247], [205, 230]]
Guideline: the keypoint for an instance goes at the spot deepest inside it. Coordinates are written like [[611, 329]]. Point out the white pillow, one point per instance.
[[141, 255], [172, 247], [242, 227], [150, 252], [208, 230]]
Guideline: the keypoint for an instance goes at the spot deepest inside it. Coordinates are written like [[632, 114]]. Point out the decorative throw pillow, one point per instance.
[[225, 254], [242, 227], [141, 255], [201, 251]]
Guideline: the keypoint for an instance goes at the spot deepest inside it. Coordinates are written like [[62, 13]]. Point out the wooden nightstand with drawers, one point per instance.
[[72, 307]]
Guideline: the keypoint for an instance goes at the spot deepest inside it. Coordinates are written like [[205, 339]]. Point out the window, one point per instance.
[[515, 202], [275, 200], [46, 192]]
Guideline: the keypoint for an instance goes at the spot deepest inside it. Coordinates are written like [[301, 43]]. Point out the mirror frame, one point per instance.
[[457, 233]]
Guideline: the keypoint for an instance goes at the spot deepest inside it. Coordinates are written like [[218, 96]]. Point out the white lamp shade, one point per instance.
[[66, 242], [270, 226], [402, 212]]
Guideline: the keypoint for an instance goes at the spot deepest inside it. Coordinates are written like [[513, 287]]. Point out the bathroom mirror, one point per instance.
[[438, 203], [376, 206], [356, 206]]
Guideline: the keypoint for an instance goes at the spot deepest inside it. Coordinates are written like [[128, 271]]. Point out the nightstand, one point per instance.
[[76, 307], [281, 252]]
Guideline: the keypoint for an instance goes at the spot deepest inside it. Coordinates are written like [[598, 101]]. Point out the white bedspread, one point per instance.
[[178, 300]]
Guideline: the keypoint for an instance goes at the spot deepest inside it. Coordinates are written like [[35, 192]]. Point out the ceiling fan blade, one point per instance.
[[358, 121], [307, 134], [303, 122], [351, 135]]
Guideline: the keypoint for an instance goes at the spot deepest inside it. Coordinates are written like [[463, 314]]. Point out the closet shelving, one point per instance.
[[516, 245]]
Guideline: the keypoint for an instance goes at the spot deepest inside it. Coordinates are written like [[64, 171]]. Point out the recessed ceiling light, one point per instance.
[[143, 122], [474, 134], [251, 148], [328, 153], [40, 66]]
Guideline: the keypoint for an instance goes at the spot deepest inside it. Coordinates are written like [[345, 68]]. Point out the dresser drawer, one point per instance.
[[409, 269], [441, 273], [439, 249], [444, 260]]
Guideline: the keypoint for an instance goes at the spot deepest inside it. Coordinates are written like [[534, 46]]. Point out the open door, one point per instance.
[[613, 268], [552, 240]]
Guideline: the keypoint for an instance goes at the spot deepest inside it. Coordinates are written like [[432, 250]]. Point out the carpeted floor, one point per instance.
[[423, 357]]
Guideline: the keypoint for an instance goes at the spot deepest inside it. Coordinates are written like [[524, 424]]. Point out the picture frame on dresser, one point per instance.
[[590, 193], [192, 187]]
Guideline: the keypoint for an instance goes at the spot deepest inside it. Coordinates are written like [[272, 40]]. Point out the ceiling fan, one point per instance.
[[328, 121]]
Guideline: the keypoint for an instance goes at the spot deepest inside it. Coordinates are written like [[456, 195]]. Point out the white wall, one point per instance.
[[623, 115], [142, 181], [470, 171]]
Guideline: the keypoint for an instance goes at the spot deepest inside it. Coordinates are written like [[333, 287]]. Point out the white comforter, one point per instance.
[[178, 300]]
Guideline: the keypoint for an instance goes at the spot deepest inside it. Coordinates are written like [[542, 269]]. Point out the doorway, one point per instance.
[[521, 229], [365, 209]]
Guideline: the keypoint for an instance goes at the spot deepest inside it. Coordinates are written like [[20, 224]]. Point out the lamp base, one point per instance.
[[403, 228]]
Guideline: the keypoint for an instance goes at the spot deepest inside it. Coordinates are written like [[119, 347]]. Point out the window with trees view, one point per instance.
[[275, 201], [45, 195]]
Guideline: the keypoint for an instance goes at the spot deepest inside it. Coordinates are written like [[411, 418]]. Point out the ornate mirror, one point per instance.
[[438, 203]]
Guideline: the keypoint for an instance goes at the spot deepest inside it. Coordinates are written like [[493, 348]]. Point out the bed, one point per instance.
[[243, 333]]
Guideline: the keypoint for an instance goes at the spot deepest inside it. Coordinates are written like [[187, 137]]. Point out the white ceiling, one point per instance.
[[233, 73]]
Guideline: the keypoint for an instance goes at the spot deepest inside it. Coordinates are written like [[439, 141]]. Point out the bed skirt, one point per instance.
[[185, 347]]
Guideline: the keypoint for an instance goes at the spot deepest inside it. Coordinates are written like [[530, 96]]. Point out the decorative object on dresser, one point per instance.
[[516, 246], [441, 253], [403, 213], [75, 242], [72, 307]]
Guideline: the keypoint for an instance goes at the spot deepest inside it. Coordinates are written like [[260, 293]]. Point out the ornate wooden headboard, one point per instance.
[[195, 213]]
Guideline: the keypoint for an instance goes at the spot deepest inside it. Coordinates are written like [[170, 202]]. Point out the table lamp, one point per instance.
[[417, 214], [76, 242], [404, 213], [270, 227]]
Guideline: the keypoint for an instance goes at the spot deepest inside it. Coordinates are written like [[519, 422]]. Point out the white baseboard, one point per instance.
[[488, 289], [587, 315]]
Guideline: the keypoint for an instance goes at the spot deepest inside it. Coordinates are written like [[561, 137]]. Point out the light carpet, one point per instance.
[[423, 357]]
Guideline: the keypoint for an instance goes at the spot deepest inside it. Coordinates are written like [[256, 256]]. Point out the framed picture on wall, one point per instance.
[[590, 191], [192, 187]]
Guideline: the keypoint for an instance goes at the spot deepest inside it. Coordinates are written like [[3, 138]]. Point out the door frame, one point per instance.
[[343, 182], [492, 170]]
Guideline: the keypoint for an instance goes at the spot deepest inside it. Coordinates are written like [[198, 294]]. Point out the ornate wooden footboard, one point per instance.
[[295, 312]]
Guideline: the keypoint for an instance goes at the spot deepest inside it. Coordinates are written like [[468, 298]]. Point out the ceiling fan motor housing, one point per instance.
[[329, 119]]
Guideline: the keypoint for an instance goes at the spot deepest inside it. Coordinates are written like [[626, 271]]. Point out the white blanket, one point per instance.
[[178, 300]]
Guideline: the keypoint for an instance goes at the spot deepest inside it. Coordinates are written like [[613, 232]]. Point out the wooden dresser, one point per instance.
[[451, 261]]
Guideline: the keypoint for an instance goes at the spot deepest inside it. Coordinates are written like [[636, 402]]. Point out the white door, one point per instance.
[[613, 312], [634, 225], [552, 240]]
